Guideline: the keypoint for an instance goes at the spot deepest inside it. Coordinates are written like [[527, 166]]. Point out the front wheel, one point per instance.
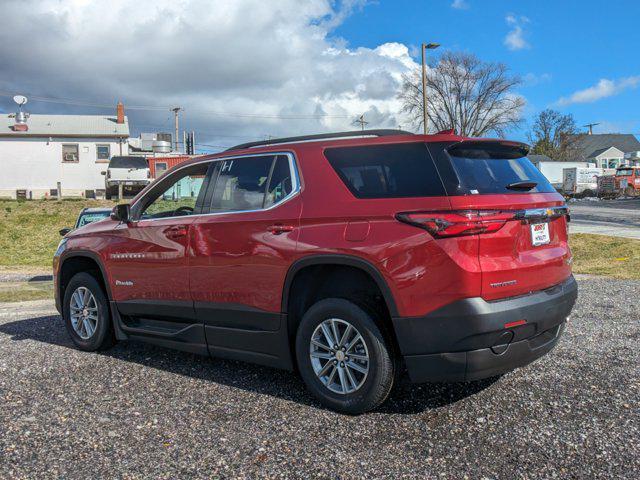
[[343, 357], [86, 313]]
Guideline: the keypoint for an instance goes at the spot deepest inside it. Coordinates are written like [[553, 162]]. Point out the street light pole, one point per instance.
[[425, 117]]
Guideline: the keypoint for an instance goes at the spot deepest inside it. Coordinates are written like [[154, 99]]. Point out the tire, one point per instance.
[[371, 388], [630, 191], [102, 335]]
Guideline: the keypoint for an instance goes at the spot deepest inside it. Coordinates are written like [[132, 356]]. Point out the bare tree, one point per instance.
[[553, 134], [464, 93]]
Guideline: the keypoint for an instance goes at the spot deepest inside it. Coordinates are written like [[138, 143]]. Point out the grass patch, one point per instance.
[[29, 229], [22, 292], [603, 255]]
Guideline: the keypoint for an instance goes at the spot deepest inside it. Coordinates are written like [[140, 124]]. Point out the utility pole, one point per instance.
[[361, 121], [425, 117], [175, 111], [591, 125]]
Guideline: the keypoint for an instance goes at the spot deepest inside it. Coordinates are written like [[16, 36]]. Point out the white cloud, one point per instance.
[[603, 89], [515, 38], [215, 58], [460, 5], [532, 79]]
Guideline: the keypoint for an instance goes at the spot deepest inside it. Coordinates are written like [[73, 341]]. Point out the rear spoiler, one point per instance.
[[500, 149]]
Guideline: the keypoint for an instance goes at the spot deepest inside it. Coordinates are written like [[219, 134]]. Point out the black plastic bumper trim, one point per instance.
[[483, 363], [475, 324]]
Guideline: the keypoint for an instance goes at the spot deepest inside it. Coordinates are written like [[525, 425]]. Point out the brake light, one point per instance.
[[457, 223]]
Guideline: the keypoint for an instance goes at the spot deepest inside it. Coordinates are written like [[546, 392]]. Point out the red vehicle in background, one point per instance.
[[347, 257], [628, 181]]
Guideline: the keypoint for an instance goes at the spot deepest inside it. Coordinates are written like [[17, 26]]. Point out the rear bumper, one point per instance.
[[467, 340]]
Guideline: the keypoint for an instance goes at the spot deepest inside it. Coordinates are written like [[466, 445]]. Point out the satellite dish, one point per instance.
[[20, 99]]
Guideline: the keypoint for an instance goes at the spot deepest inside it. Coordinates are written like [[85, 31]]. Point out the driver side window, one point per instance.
[[178, 195]]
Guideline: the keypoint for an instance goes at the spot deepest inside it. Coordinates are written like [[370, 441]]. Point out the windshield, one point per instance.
[[128, 162], [624, 172], [91, 217]]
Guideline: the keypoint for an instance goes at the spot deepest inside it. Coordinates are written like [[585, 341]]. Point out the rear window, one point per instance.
[[387, 171], [487, 169], [128, 162]]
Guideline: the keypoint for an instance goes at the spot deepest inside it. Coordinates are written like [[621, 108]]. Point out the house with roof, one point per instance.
[[40, 152], [607, 150]]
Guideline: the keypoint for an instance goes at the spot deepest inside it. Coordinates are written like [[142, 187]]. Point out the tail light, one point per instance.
[[457, 223]]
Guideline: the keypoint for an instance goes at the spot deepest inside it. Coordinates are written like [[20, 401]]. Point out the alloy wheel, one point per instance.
[[84, 312], [339, 356]]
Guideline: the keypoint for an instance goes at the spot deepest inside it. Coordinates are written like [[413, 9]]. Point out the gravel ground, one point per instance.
[[141, 411]]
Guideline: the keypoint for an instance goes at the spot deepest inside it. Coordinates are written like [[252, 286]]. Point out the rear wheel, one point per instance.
[[343, 357], [86, 313]]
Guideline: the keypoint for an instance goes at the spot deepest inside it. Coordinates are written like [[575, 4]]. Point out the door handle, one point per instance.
[[176, 232], [278, 229]]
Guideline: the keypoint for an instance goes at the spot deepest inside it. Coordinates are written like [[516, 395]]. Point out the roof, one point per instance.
[[589, 146], [66, 126]]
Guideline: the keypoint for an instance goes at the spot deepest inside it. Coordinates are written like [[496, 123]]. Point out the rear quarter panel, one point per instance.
[[422, 274]]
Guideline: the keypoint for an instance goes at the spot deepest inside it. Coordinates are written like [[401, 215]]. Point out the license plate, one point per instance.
[[540, 234]]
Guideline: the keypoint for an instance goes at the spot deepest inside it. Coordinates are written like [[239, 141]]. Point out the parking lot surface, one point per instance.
[[618, 218], [142, 411]]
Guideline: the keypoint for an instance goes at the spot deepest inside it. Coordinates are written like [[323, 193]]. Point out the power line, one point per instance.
[[80, 103]]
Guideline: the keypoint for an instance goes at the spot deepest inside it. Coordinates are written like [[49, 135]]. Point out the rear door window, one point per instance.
[[387, 171]]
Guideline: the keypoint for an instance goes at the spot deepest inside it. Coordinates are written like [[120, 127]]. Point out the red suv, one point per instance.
[[345, 256]]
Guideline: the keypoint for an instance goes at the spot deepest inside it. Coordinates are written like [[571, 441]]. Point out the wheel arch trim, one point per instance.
[[342, 260], [92, 256]]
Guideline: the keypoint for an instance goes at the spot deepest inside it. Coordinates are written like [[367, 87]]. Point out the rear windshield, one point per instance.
[[487, 170], [387, 171], [128, 162]]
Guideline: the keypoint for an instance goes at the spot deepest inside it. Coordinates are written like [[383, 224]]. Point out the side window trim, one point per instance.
[[211, 178]]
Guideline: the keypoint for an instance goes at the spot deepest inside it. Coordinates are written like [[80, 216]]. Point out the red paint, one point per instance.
[[169, 161], [243, 257], [515, 324]]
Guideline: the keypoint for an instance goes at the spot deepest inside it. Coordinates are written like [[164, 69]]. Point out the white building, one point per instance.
[[71, 149]]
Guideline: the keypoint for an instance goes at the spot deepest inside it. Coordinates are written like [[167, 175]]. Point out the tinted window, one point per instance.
[[487, 169], [281, 183], [128, 162], [492, 175], [387, 171], [241, 184], [177, 195], [91, 217]]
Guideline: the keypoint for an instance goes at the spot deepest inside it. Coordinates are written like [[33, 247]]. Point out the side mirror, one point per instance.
[[103, 173], [121, 212], [64, 231]]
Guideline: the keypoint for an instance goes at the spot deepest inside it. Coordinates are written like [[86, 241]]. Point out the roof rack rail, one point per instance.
[[321, 136]]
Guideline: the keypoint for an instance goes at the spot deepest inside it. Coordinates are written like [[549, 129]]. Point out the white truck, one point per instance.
[[581, 180], [129, 171]]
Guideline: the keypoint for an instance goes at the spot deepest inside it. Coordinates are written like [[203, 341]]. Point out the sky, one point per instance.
[[248, 69]]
